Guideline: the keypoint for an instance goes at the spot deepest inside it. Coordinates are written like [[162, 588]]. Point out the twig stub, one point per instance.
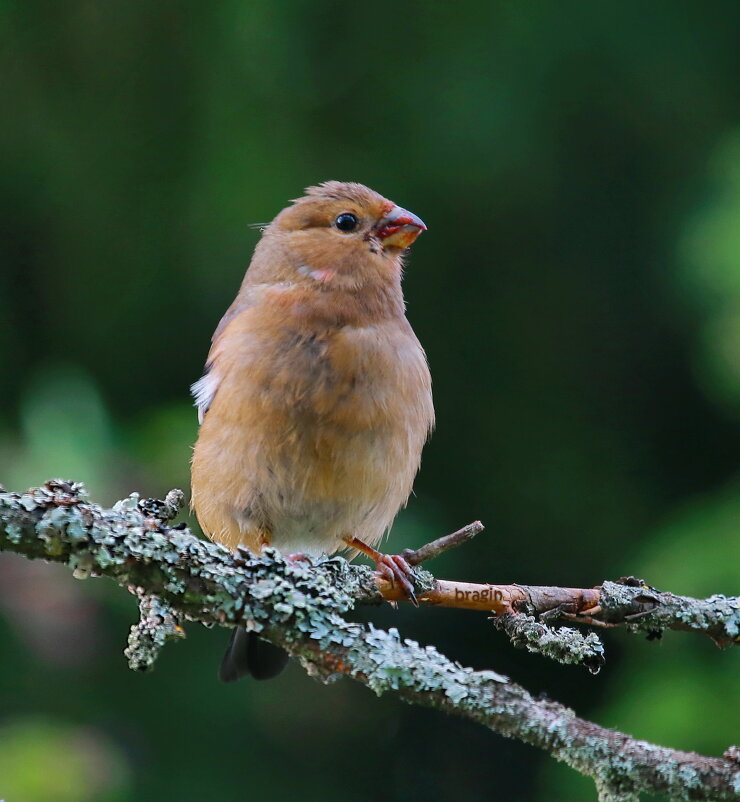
[[442, 544]]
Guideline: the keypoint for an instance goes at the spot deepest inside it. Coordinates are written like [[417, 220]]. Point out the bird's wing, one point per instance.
[[204, 390]]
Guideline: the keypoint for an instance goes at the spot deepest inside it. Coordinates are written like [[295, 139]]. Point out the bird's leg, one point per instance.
[[392, 567]]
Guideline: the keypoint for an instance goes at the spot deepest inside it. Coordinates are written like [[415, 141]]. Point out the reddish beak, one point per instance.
[[399, 228]]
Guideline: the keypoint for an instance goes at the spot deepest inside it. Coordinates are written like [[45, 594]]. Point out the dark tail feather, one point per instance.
[[247, 653]]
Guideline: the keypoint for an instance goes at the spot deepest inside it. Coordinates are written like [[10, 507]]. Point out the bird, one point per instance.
[[316, 398]]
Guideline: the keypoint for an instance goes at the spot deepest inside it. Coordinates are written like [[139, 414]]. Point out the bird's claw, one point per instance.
[[396, 569], [392, 567]]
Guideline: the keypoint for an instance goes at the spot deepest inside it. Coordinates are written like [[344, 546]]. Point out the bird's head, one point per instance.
[[340, 236]]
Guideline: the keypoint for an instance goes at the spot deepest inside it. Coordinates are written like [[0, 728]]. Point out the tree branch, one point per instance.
[[629, 602], [301, 608]]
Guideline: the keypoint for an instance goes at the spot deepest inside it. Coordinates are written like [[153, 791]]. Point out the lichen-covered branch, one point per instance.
[[158, 623], [565, 645], [629, 602], [300, 607], [644, 609]]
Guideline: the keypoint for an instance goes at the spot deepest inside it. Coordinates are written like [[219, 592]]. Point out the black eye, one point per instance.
[[346, 222]]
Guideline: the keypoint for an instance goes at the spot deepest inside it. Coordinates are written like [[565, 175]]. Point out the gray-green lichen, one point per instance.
[[564, 644], [158, 623], [301, 607], [645, 609]]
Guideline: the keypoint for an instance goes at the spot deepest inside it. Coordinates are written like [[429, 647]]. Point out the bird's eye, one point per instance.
[[346, 222]]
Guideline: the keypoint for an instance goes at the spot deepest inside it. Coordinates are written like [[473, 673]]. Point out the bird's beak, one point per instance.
[[398, 228]]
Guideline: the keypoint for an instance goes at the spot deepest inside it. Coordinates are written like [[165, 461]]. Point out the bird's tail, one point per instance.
[[248, 654]]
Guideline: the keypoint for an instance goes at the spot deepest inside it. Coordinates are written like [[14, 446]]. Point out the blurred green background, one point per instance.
[[578, 295]]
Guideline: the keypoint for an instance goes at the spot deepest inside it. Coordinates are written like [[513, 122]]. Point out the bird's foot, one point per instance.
[[392, 567], [395, 568], [297, 557]]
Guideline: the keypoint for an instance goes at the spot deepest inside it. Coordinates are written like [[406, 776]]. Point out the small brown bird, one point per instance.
[[316, 400]]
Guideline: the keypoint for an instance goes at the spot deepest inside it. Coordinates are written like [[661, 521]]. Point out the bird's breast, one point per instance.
[[332, 396], [354, 376]]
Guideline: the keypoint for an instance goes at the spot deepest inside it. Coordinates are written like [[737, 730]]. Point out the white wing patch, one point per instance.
[[203, 392]]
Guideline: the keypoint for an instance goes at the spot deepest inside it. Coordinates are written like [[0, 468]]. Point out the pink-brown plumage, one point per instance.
[[317, 397]]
